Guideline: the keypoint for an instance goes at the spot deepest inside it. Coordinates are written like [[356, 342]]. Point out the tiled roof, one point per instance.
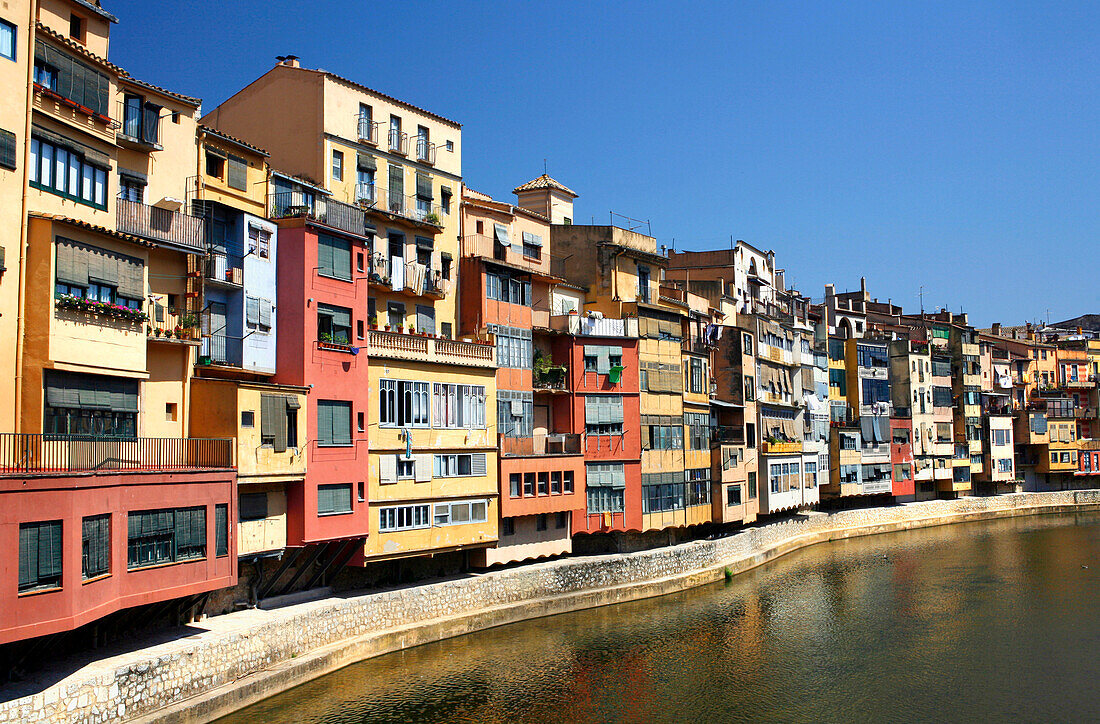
[[544, 182], [78, 48], [398, 101], [93, 227], [196, 102], [233, 139], [93, 5]]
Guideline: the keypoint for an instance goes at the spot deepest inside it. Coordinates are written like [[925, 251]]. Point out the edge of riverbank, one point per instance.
[[245, 657]]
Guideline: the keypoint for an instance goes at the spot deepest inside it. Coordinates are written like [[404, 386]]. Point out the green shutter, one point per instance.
[[238, 173], [221, 529], [341, 259], [341, 423], [49, 550], [324, 255], [28, 555]]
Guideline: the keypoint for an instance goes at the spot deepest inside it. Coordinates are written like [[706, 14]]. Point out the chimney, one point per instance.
[[863, 285], [1080, 330], [996, 329], [291, 61]]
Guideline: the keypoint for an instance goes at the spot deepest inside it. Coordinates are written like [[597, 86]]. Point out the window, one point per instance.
[[252, 506], [752, 484], [39, 555], [215, 164], [258, 313], [503, 286], [643, 283], [461, 465], [513, 346], [403, 517], [72, 79], [561, 520], [515, 413], [130, 188], [259, 241], [1000, 437], [733, 495], [941, 396], [334, 499], [333, 324], [507, 526], [875, 391], [567, 481], [333, 257], [528, 483], [699, 430], [7, 40], [871, 356], [333, 423], [170, 409], [848, 442], [603, 414], [697, 376], [156, 537], [64, 171], [515, 480], [404, 403], [458, 406], [7, 149], [248, 418], [461, 513], [95, 553], [338, 165], [78, 404], [555, 482], [221, 529], [839, 380], [279, 421], [1004, 465], [406, 469], [140, 120], [532, 246], [606, 483], [900, 436]]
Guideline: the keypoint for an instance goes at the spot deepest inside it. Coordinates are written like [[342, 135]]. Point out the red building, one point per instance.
[[93, 539], [901, 455], [322, 305]]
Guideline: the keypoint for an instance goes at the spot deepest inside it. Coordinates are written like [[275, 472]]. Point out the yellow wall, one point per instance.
[[254, 198], [55, 15], [171, 170]]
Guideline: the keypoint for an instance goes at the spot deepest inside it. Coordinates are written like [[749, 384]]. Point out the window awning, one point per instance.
[[366, 161], [423, 186], [500, 234], [91, 155], [424, 243]]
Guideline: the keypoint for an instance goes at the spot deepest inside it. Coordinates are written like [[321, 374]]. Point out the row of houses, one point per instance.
[[254, 348]]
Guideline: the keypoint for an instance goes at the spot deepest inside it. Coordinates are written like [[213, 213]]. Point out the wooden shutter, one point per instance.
[[387, 469], [324, 255], [422, 468], [238, 173], [324, 422], [424, 186], [273, 420], [28, 555], [221, 529], [341, 423], [341, 259]]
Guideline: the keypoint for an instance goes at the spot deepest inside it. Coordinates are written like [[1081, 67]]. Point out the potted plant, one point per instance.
[[432, 218], [373, 321], [387, 327], [149, 330]]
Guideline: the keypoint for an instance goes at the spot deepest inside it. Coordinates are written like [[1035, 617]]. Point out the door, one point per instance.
[[425, 318], [217, 332], [397, 261]]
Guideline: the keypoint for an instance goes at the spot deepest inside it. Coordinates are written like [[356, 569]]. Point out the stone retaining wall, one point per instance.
[[249, 655]]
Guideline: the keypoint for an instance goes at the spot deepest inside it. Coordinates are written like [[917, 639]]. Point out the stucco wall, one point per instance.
[[250, 655]]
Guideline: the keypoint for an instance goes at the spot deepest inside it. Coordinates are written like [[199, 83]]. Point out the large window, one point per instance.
[[699, 430], [513, 346], [95, 546], [875, 391], [403, 517], [333, 257], [662, 432], [7, 40], [333, 423], [458, 406], [941, 396], [78, 404], [515, 413], [603, 414], [459, 465], [334, 499], [697, 377], [221, 529], [606, 484], [871, 356], [252, 506], [503, 287], [279, 421], [462, 512], [39, 555], [838, 379], [404, 403], [140, 120], [258, 314], [156, 537], [70, 78], [62, 168], [662, 492], [333, 324], [601, 358]]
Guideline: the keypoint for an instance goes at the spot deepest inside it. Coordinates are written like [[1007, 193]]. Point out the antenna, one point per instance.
[[921, 299], [544, 166]]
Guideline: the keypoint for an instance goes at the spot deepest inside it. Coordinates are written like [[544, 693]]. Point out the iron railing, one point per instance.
[[409, 206], [368, 130], [24, 453], [156, 224], [425, 150], [399, 141], [564, 443], [345, 217], [727, 434], [225, 268]]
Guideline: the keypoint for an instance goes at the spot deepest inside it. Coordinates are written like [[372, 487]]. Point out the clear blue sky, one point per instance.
[[950, 144]]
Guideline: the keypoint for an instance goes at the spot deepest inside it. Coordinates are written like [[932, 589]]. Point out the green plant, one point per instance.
[[373, 320], [326, 337], [189, 319], [432, 218]]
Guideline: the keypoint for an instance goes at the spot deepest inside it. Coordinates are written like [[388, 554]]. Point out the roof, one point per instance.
[[196, 102], [93, 5], [233, 139], [398, 101], [544, 182], [1090, 322], [77, 48], [93, 227]]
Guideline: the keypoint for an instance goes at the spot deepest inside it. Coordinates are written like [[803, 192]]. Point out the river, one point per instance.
[[978, 621]]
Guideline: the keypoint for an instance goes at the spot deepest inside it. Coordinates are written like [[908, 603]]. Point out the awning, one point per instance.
[[91, 155], [424, 243], [366, 161], [500, 234], [730, 405]]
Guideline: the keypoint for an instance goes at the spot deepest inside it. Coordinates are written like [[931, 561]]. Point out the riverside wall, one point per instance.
[[237, 659]]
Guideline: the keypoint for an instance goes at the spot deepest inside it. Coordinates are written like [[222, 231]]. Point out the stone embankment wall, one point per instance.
[[246, 656]]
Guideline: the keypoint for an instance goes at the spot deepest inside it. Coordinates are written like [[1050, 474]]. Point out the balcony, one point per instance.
[[368, 131], [559, 443], [1085, 413], [551, 379], [425, 151], [586, 326], [399, 142], [431, 350], [394, 274], [221, 350], [398, 205], [697, 345], [1081, 384], [225, 270], [338, 215], [728, 434], [780, 448], [168, 325], [26, 454], [140, 128], [513, 255], [162, 225]]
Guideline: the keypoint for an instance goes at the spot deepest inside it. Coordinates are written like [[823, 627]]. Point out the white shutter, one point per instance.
[[423, 468], [478, 465], [387, 469]]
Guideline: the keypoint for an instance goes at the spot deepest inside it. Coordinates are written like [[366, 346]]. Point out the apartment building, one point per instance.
[[911, 395]]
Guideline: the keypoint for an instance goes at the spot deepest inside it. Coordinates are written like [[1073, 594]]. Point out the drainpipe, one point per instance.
[[24, 225]]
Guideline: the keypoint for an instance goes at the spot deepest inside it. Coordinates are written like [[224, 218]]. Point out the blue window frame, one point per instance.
[[7, 40]]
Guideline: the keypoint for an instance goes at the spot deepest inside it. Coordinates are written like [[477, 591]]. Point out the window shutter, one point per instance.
[[150, 123], [478, 464], [28, 555], [422, 468], [341, 259], [252, 310], [264, 313], [324, 499], [221, 529], [324, 423], [324, 255], [238, 173], [7, 149], [341, 423], [424, 186], [252, 506], [198, 526], [615, 405], [267, 415], [387, 469]]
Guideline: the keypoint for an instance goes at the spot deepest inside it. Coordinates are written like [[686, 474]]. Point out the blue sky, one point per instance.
[[950, 145]]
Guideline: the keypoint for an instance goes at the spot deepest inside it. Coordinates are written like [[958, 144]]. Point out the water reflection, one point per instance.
[[979, 621]]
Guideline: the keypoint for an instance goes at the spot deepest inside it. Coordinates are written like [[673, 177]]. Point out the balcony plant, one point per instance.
[[433, 218], [373, 321], [101, 309]]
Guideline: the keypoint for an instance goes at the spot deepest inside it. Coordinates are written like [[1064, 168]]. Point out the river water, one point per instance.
[[978, 621]]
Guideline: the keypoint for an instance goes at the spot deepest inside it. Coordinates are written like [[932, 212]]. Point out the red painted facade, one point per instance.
[[902, 455], [72, 497], [331, 375]]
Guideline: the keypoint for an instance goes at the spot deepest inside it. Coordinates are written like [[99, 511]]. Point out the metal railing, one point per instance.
[[576, 324], [554, 378], [399, 141], [368, 130], [156, 224], [409, 206], [225, 268], [23, 453], [425, 150], [728, 434], [345, 217], [139, 124], [564, 443]]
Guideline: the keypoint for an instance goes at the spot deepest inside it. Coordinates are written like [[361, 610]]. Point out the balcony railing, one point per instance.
[[399, 141], [224, 268], [728, 434], [554, 378], [140, 126], [396, 345], [368, 131], [409, 206], [594, 326], [22, 453], [486, 247], [425, 151], [157, 224], [548, 444], [345, 217], [698, 345]]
